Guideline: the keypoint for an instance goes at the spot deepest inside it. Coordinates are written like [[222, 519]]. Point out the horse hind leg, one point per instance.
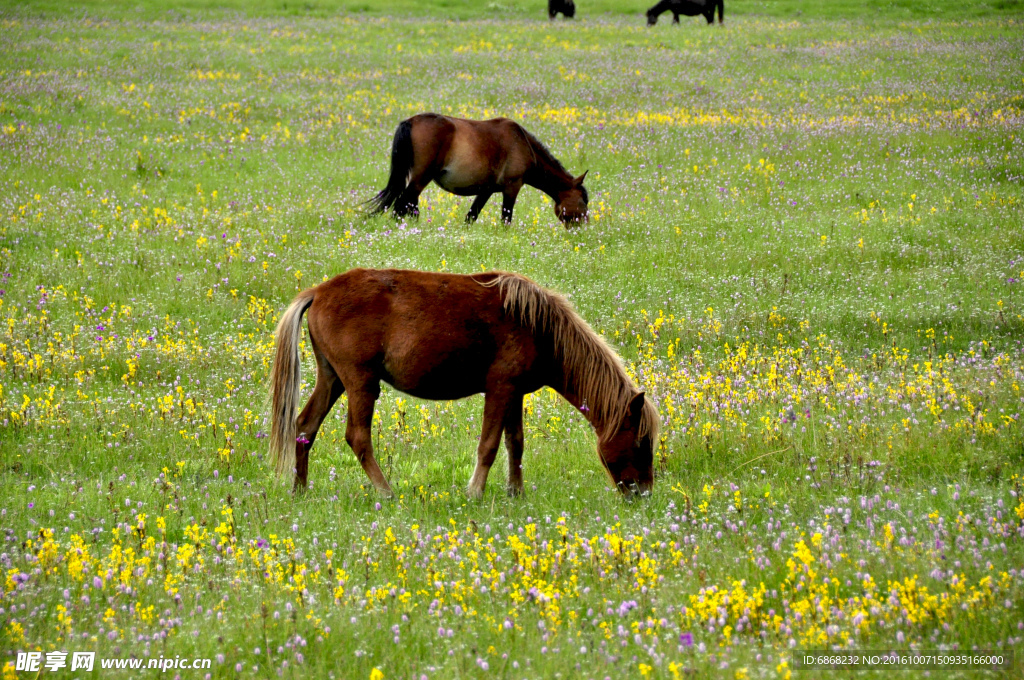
[[326, 391], [409, 201], [359, 432], [427, 139]]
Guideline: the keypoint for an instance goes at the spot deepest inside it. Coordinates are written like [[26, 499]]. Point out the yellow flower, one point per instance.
[[376, 674], [645, 670]]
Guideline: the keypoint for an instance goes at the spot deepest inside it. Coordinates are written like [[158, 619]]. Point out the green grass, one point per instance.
[[805, 241], [869, 10]]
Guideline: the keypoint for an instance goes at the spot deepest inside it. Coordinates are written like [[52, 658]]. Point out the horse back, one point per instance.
[[468, 156], [691, 8], [432, 335]]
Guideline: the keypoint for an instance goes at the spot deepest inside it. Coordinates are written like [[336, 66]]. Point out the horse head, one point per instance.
[[571, 206], [628, 450]]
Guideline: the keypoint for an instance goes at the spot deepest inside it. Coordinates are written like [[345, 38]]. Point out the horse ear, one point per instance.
[[636, 408], [579, 180]]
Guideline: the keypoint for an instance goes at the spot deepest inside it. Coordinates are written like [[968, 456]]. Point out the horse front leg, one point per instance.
[[359, 432], [514, 445], [495, 405], [508, 201], [478, 205]]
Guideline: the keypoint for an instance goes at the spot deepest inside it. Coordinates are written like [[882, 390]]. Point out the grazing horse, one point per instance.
[[566, 7], [475, 158], [690, 8], [447, 336]]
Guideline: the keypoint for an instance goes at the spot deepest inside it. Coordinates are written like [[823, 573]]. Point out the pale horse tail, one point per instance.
[[285, 383]]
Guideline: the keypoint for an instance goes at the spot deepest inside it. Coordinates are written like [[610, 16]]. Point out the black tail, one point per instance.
[[401, 164], [721, 11]]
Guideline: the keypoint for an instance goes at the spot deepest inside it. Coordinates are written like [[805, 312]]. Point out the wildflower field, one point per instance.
[[806, 241]]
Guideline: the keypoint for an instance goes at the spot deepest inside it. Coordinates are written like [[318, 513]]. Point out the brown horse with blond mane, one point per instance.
[[447, 336], [475, 158]]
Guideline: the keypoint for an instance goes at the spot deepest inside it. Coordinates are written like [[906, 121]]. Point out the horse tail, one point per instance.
[[401, 166], [284, 383]]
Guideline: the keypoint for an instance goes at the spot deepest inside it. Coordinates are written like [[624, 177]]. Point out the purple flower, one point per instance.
[[302, 439], [686, 639]]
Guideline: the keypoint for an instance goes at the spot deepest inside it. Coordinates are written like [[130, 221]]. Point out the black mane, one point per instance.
[[548, 157], [544, 152]]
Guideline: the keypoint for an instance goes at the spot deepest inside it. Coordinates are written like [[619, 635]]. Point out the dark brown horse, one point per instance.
[[448, 336], [475, 158], [566, 7], [690, 8]]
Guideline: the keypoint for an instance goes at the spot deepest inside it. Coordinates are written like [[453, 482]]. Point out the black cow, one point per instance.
[[689, 8]]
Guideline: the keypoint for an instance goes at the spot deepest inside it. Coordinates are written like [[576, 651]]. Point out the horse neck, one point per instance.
[[587, 397], [660, 8], [580, 403], [548, 177]]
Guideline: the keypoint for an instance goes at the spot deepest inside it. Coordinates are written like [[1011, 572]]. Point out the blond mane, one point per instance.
[[592, 369]]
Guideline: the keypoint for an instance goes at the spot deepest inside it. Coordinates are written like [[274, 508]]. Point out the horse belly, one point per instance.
[[466, 170], [441, 351], [440, 376], [689, 8], [463, 180]]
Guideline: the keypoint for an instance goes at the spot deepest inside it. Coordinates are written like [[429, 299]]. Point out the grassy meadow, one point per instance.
[[806, 242]]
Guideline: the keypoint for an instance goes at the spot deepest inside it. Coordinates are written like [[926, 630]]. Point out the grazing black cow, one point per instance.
[[566, 7], [689, 8]]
